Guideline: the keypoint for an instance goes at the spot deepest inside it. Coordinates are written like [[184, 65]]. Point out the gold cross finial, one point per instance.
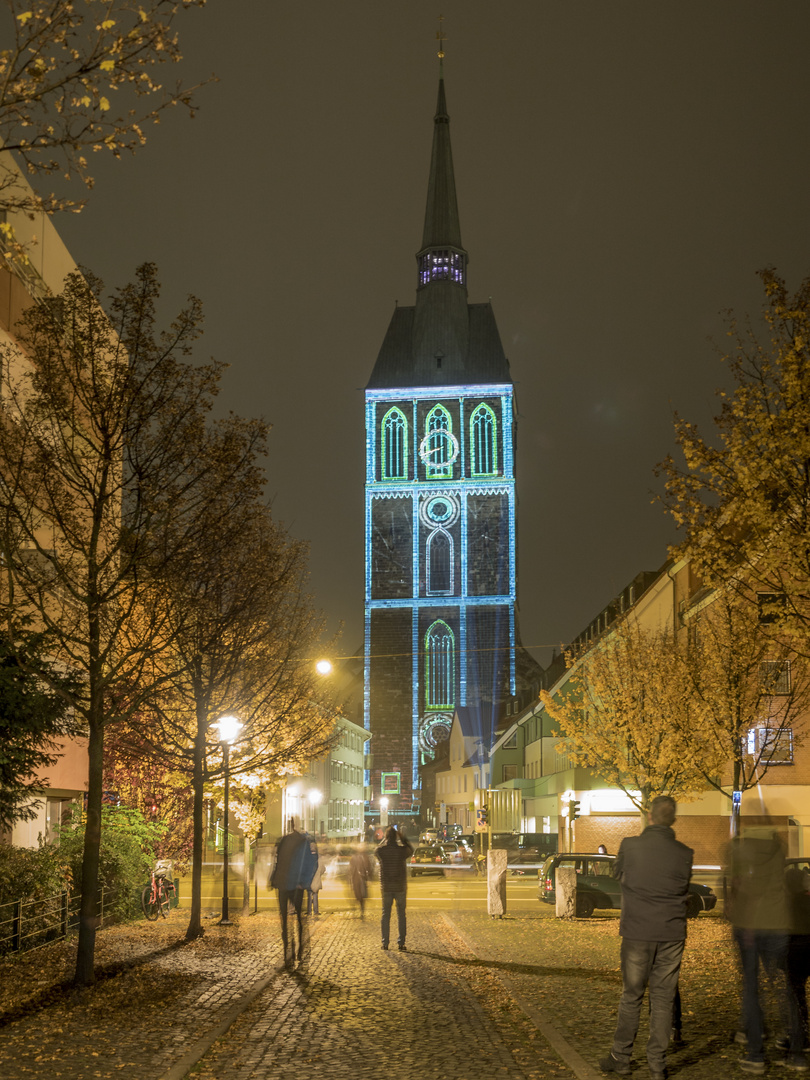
[[441, 37]]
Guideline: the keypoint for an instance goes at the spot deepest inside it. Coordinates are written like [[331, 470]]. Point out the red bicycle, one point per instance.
[[156, 898]]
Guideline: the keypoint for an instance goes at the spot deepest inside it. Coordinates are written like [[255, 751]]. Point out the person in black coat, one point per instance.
[[654, 870], [393, 854]]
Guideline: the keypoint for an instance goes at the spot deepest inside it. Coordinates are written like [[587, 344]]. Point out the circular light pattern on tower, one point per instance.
[[439, 511], [434, 729], [439, 449]]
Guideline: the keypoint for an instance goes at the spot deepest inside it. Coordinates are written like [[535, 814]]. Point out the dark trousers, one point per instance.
[[654, 965], [388, 899], [769, 949], [287, 899], [798, 972]]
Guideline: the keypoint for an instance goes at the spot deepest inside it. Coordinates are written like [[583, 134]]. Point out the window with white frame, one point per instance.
[[774, 745]]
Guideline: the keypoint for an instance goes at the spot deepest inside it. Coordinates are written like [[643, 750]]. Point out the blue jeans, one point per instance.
[[653, 964], [388, 899], [771, 949]]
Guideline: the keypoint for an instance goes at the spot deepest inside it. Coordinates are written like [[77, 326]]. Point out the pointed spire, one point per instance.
[[442, 228]]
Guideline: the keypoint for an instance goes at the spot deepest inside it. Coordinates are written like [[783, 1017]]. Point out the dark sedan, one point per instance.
[[428, 859]]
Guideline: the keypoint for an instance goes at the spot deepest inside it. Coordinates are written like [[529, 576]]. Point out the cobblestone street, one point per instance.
[[526, 997]]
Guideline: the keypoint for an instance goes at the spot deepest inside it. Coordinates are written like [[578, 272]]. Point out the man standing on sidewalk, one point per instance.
[[393, 854], [654, 870]]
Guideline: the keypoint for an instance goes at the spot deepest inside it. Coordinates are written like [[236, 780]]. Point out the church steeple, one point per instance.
[[442, 256]]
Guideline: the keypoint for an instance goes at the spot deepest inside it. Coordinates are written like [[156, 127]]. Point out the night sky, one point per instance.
[[623, 170]]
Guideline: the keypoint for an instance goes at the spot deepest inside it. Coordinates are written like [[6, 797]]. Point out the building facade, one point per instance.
[[440, 580], [22, 284]]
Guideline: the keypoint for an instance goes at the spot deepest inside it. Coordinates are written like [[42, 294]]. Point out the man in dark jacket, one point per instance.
[[296, 862], [393, 854], [654, 870]]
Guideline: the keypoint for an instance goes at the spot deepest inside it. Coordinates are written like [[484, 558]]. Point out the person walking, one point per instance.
[[393, 854], [315, 887], [758, 910], [359, 873], [296, 861], [654, 870]]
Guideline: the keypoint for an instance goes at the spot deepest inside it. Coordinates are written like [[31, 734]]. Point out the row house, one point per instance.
[[583, 811]]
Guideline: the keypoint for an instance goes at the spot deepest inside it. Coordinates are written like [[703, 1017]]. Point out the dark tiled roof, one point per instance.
[[470, 353]]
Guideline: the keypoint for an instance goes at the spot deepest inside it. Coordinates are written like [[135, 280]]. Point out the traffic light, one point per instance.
[[573, 809], [484, 812]]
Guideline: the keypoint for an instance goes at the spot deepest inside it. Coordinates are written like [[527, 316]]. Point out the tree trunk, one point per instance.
[[88, 912], [195, 928]]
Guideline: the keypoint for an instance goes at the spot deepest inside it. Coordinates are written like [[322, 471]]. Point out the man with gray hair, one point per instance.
[[654, 870]]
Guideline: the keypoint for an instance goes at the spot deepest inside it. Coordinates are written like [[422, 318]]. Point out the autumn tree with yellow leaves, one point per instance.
[[620, 713], [742, 496], [242, 637], [748, 696], [81, 77], [109, 465]]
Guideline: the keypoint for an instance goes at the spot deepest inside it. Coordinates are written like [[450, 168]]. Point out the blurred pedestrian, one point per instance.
[[797, 882], [758, 910], [359, 873], [315, 886], [393, 854], [295, 864], [654, 870]]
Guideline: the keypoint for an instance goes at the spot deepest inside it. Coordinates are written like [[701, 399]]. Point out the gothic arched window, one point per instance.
[[483, 444], [440, 659], [394, 445], [439, 562], [442, 447]]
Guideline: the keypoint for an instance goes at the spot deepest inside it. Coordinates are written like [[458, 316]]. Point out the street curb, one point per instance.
[[572, 1058]]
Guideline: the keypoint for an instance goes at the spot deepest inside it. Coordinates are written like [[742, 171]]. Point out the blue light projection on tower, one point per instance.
[[440, 506]]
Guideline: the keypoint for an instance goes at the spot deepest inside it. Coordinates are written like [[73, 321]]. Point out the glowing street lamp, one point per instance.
[[228, 728], [324, 667], [383, 811]]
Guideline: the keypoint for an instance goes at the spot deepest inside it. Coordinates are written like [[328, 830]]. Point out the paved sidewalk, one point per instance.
[[527, 997]]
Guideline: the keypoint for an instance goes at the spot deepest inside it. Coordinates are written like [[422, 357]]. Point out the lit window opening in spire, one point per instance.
[[441, 266]]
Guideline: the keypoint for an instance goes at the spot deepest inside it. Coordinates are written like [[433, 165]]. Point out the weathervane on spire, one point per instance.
[[441, 37]]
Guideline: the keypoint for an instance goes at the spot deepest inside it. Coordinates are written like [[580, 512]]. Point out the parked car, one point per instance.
[[429, 836], [526, 850], [597, 888], [428, 859], [457, 853]]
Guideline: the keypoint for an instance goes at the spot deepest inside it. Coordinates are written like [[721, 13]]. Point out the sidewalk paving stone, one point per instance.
[[528, 996]]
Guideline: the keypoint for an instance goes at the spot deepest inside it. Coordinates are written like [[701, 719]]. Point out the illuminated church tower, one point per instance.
[[440, 590]]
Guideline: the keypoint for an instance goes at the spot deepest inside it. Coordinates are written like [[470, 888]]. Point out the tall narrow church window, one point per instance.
[[440, 657], [439, 562], [395, 445], [441, 446], [483, 445]]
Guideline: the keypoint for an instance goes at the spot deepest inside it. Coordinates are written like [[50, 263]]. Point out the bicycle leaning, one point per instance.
[[156, 898]]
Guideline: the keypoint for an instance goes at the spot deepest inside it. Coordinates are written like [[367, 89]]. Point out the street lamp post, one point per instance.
[[228, 727]]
